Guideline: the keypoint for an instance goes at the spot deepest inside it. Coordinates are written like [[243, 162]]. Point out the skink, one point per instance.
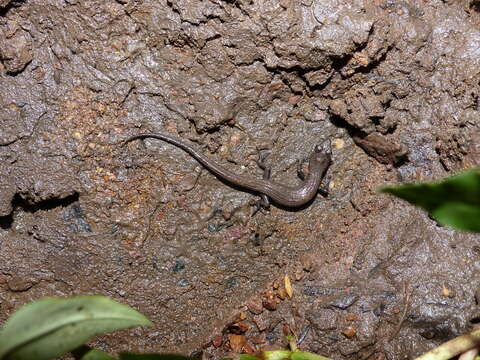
[[283, 195]]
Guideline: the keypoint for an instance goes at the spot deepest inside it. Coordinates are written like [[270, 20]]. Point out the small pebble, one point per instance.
[[270, 304], [183, 282], [447, 292], [349, 331], [236, 342], [255, 306], [351, 317], [217, 341], [338, 143]]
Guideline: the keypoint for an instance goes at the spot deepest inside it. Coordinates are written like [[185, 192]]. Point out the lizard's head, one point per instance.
[[322, 154]]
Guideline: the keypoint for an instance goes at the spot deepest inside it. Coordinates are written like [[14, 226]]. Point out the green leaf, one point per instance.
[[85, 352], [94, 354], [248, 357], [128, 356], [453, 202], [50, 327], [277, 354], [302, 355], [459, 216]]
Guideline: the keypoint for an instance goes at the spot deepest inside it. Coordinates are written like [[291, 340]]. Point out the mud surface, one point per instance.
[[393, 84]]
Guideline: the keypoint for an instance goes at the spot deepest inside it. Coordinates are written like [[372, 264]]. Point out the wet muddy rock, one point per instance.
[[394, 85]]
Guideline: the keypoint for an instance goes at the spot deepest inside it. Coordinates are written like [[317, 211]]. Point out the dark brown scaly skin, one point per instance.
[[287, 196]]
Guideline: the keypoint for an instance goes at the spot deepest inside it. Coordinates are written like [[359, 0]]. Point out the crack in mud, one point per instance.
[[18, 202]]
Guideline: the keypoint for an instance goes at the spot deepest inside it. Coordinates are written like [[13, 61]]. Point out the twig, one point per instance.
[[406, 304], [453, 347], [469, 354]]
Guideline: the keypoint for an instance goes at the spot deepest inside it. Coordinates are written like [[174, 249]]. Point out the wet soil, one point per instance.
[[393, 84]]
